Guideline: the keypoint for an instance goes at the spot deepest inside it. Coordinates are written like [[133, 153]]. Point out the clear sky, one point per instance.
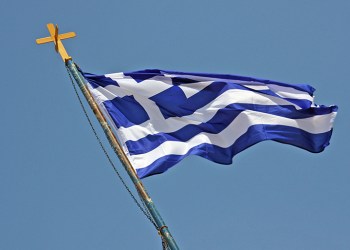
[[57, 190]]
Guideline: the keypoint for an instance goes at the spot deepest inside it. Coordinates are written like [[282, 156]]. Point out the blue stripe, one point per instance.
[[219, 122], [304, 104], [139, 77], [301, 87], [314, 143], [99, 80], [126, 111]]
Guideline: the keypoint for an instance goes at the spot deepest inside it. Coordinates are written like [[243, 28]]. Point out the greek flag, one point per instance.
[[161, 116]]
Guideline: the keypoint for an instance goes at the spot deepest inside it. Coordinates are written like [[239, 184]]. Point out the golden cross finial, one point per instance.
[[56, 39]]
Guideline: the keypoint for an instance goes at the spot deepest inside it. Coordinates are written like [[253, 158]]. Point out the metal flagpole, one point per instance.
[[56, 38]]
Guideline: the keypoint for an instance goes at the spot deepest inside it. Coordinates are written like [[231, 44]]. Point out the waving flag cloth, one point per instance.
[[161, 117]]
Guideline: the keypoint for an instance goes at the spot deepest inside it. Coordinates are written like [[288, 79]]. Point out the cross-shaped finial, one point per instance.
[[56, 38]]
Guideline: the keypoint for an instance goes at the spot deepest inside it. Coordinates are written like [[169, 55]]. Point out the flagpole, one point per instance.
[[56, 39], [163, 229]]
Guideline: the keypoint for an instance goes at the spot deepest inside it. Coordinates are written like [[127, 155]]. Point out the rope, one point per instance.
[[164, 243], [143, 208]]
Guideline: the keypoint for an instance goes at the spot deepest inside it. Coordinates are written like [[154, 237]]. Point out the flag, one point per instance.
[[160, 117]]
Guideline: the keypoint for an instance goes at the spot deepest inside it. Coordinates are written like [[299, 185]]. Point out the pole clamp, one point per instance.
[[160, 230]]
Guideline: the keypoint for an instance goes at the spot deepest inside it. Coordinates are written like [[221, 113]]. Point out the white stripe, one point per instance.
[[287, 92], [191, 89], [118, 75], [256, 86], [315, 125], [148, 87]]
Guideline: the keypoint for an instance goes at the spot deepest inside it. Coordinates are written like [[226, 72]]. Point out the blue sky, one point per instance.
[[57, 190]]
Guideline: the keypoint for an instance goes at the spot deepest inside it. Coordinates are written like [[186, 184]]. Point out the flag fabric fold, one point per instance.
[[161, 116]]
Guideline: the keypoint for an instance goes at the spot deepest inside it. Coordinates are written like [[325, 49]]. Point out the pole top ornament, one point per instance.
[[56, 39]]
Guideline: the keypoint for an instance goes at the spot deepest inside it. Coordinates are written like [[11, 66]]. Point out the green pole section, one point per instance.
[[162, 228]]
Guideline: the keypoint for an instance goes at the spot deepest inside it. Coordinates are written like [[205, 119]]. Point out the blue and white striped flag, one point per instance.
[[160, 117]]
